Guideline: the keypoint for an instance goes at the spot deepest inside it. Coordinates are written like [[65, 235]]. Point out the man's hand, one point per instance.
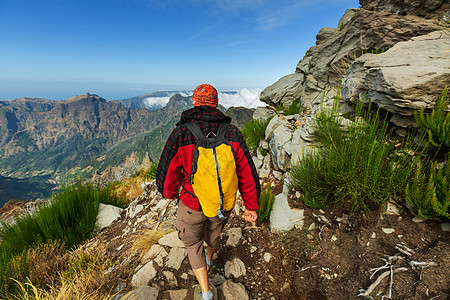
[[250, 215]]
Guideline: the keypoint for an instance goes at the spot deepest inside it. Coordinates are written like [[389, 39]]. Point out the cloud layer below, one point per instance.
[[245, 97]]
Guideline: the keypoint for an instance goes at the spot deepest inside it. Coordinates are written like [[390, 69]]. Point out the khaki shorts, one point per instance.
[[194, 228]]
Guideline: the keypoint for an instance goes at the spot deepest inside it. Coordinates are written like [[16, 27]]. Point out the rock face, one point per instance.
[[360, 31], [405, 78], [425, 8], [240, 115]]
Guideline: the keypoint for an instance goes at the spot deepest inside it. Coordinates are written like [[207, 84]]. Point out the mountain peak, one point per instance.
[[87, 96]]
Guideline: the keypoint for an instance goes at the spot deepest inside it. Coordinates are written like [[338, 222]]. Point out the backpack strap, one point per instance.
[[196, 131], [223, 127]]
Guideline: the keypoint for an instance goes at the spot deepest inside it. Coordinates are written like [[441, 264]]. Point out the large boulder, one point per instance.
[[284, 91], [359, 31], [405, 78]]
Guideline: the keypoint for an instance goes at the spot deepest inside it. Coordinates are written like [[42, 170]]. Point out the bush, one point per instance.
[[437, 124], [254, 131], [150, 173], [69, 217], [293, 108], [266, 201], [353, 167], [428, 194]]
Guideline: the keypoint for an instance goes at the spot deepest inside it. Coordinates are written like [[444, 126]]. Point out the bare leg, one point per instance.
[[202, 277], [210, 253]]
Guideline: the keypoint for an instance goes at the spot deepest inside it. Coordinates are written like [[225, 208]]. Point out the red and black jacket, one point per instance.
[[174, 169]]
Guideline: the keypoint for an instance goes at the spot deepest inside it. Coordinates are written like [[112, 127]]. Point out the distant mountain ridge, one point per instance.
[[84, 136], [41, 136]]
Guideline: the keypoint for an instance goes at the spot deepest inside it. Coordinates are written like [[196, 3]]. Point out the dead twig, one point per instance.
[[370, 289], [403, 249]]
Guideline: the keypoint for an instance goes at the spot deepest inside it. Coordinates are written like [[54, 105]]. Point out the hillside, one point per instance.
[[84, 136], [361, 204]]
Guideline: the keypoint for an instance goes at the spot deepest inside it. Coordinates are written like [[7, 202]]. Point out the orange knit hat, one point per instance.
[[205, 94]]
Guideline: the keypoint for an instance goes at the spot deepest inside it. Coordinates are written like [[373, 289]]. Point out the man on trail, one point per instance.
[[198, 220]]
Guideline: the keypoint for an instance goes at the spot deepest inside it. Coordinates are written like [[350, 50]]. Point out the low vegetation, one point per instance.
[[266, 201], [254, 131], [362, 163], [356, 164], [295, 107], [68, 218], [436, 124]]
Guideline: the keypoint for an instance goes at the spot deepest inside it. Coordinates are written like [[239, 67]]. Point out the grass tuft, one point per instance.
[[355, 165], [254, 131], [266, 201]]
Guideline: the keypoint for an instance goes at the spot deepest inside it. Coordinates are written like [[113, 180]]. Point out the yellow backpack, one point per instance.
[[213, 172]]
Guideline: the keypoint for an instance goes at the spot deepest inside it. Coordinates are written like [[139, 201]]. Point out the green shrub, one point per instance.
[[150, 173], [254, 131], [355, 166], [436, 124], [266, 201], [295, 107], [429, 193], [69, 217]]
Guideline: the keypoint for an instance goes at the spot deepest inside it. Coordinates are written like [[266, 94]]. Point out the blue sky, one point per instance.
[[56, 49]]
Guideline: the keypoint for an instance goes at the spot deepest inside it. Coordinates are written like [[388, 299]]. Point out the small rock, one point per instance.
[[310, 236], [374, 235], [253, 249], [152, 253], [144, 275], [388, 230], [267, 256], [106, 215], [312, 227], [418, 219], [171, 240], [170, 278], [234, 235], [235, 268], [285, 286], [143, 292], [184, 276], [445, 227], [232, 291], [334, 238], [159, 261], [392, 209], [177, 294], [176, 257], [278, 175], [217, 280], [297, 195]]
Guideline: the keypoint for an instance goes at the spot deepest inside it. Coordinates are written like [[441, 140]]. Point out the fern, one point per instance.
[[429, 196], [436, 124]]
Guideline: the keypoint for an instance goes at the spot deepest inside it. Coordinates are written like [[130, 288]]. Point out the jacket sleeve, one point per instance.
[[249, 185], [169, 171]]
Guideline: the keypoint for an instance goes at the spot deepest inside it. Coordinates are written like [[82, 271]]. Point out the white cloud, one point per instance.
[[162, 101], [244, 97]]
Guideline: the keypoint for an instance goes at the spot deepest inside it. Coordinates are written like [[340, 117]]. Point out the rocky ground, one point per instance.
[[333, 256]]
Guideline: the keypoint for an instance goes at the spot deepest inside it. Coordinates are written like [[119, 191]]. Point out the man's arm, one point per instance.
[[169, 171]]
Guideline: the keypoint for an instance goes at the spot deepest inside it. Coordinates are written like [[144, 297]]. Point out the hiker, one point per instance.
[[201, 221]]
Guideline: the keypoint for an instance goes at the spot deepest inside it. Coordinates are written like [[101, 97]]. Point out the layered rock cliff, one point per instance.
[[374, 28]]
